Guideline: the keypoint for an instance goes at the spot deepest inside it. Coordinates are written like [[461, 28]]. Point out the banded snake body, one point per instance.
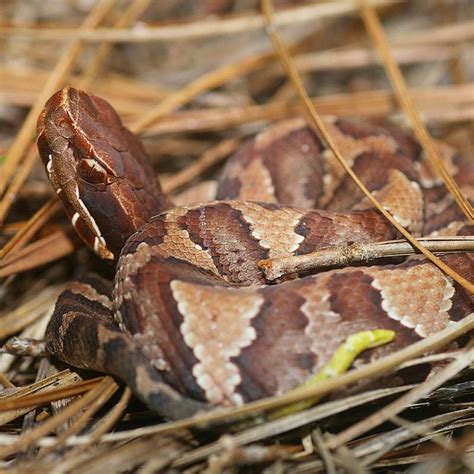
[[190, 320]]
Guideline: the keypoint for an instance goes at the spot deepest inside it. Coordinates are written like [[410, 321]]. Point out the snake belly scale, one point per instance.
[[189, 320]]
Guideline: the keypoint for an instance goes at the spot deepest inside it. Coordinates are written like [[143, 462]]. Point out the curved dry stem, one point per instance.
[[344, 255]]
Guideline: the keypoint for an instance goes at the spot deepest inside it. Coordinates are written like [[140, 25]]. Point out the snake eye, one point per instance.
[[92, 172]]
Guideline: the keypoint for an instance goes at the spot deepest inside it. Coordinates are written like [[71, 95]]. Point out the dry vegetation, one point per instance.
[[194, 79]]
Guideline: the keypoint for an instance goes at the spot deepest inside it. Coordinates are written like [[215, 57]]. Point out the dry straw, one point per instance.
[[170, 440]]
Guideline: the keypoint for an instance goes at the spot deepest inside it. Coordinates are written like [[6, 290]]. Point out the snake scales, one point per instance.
[[190, 320]]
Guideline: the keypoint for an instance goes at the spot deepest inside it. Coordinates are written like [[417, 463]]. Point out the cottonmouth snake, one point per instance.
[[190, 319]]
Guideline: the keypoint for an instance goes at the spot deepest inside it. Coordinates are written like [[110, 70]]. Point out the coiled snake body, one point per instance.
[[190, 319]]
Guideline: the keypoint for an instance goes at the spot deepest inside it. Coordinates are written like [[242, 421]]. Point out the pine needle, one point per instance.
[[373, 26]]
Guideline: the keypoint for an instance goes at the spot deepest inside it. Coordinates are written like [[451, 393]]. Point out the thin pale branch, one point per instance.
[[345, 255]]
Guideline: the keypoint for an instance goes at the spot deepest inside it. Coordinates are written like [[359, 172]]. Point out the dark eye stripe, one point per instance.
[[83, 229], [92, 171]]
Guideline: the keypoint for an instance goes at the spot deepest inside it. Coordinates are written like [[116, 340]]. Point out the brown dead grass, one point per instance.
[[55, 419]]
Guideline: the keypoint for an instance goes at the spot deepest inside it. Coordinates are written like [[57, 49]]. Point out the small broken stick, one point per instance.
[[343, 255], [23, 346]]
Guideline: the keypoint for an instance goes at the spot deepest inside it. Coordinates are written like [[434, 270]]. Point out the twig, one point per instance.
[[361, 57], [444, 117], [324, 452], [195, 29], [343, 255], [395, 437], [24, 346], [374, 27], [410, 430], [453, 33], [319, 126]]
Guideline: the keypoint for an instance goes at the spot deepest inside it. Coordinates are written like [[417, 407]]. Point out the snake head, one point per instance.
[[99, 170]]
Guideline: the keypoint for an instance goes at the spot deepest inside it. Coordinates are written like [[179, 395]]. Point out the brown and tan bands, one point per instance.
[[190, 319]]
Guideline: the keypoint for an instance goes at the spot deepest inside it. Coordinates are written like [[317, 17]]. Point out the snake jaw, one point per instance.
[[77, 211]]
